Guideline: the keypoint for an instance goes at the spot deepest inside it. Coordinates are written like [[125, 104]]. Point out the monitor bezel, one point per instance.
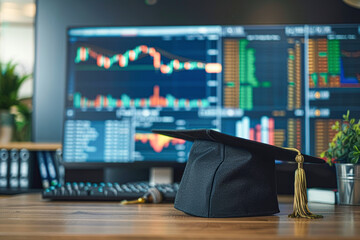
[[153, 163]]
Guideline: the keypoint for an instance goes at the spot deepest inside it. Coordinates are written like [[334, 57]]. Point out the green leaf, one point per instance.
[[10, 83], [355, 160]]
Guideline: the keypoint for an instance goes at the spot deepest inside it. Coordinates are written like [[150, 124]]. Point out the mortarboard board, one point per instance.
[[227, 176]]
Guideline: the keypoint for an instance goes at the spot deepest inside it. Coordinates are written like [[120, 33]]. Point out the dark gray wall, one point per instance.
[[54, 16]]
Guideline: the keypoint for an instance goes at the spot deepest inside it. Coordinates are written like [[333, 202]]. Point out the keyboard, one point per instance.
[[79, 191]]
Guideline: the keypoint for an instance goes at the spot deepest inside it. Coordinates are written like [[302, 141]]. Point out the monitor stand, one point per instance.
[[125, 174], [161, 175], [155, 175]]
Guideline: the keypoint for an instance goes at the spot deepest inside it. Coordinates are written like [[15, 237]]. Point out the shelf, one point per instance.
[[31, 146]]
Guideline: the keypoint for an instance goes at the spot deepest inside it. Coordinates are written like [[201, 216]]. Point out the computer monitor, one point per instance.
[[281, 85]]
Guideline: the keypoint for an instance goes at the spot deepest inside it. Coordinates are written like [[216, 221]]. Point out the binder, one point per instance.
[[4, 159], [51, 168], [14, 169], [24, 179], [59, 166], [43, 170]]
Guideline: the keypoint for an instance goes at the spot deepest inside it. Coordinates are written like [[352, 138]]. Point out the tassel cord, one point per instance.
[[300, 207]]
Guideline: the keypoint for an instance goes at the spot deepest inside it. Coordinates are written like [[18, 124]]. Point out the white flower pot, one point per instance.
[[6, 126]]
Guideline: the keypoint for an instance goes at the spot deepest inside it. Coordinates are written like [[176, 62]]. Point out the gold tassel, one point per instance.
[[301, 209]]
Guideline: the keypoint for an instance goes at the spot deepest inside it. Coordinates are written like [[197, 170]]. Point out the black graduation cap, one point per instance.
[[227, 176]]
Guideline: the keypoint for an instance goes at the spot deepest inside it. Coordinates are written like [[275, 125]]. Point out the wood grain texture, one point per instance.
[[31, 146], [30, 217]]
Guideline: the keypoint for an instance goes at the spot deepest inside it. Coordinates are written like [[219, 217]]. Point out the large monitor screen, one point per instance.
[[281, 85]]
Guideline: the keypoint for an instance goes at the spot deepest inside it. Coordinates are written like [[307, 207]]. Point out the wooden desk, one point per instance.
[[29, 217]]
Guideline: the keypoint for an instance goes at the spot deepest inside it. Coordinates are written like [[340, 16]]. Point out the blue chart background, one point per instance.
[[91, 80], [139, 84], [271, 65]]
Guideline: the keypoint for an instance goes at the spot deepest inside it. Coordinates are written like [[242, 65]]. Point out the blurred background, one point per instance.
[[17, 39], [34, 35]]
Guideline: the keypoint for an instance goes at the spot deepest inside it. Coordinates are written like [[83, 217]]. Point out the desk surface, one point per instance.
[[29, 217]]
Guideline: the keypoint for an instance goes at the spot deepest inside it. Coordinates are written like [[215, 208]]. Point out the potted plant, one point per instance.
[[10, 82], [344, 151], [23, 121]]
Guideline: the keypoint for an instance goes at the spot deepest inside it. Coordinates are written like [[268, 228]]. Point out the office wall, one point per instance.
[[54, 16], [17, 45]]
